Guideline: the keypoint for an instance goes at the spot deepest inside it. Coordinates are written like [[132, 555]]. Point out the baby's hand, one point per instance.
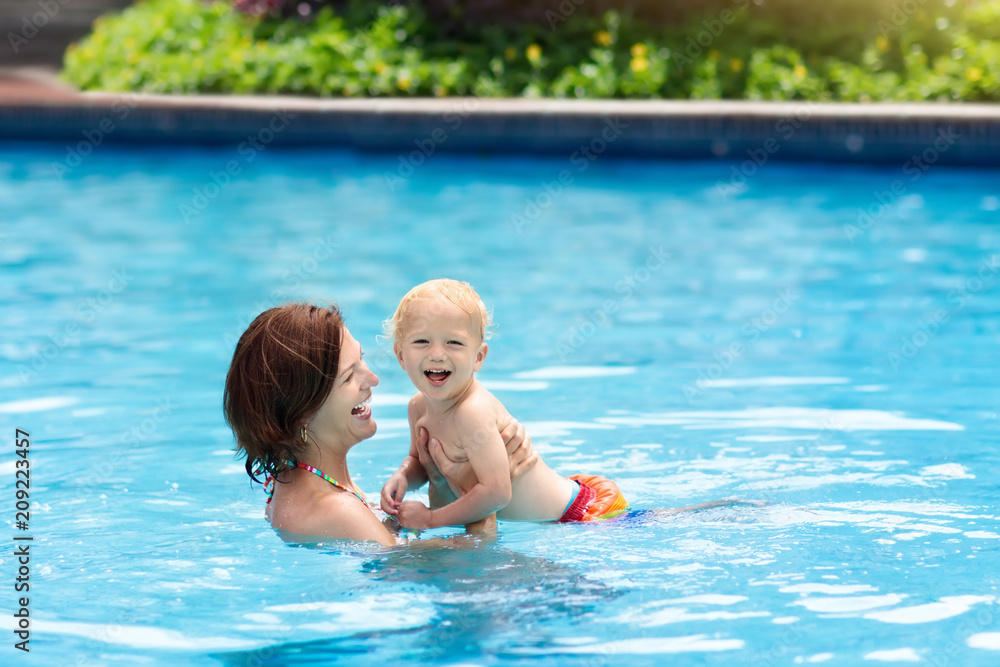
[[393, 492], [414, 515]]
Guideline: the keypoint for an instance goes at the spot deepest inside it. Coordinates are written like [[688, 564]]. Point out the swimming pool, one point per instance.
[[811, 337]]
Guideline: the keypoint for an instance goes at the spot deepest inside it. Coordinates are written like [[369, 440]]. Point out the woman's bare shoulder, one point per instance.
[[337, 515]]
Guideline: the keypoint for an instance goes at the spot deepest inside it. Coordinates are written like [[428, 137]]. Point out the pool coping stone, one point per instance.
[[746, 132]]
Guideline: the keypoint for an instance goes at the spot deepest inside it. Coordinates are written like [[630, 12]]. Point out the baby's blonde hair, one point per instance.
[[459, 293]]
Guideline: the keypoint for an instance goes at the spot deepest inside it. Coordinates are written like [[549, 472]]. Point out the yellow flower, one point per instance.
[[403, 84], [800, 71], [736, 64], [882, 43], [639, 64], [973, 74], [602, 38], [534, 52], [638, 50], [714, 56], [510, 53]]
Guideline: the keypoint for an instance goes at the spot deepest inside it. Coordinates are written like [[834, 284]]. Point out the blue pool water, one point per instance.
[[689, 341]]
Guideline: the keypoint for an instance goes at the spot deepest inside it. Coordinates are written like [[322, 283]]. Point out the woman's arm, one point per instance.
[[489, 462], [411, 473], [450, 479]]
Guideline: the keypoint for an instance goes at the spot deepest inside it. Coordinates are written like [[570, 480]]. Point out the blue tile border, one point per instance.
[[959, 134]]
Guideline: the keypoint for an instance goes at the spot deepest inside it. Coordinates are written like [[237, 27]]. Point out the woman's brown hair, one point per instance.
[[283, 369]]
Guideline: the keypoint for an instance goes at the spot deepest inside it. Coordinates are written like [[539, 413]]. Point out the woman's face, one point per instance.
[[346, 416]]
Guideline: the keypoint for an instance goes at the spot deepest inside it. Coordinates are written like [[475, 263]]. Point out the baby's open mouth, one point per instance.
[[437, 377]]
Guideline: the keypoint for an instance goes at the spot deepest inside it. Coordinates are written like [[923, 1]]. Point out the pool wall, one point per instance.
[[956, 134]]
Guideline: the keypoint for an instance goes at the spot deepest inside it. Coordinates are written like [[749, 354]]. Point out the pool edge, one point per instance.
[[754, 132]]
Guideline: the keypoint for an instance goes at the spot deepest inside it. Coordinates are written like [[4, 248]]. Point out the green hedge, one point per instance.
[[901, 50]]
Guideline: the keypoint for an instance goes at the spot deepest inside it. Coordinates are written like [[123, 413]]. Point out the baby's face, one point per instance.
[[439, 348]]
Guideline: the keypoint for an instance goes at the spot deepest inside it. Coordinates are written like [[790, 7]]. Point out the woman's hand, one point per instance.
[[440, 491], [521, 454], [445, 473], [434, 463]]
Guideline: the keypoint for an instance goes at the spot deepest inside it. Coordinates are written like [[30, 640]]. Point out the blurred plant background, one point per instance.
[[835, 50]]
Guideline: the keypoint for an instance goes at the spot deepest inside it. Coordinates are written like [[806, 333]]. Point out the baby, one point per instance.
[[438, 334]]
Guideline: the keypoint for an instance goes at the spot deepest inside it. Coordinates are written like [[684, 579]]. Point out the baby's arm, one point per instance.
[[411, 473], [488, 458]]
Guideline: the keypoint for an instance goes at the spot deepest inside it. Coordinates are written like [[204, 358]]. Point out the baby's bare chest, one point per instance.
[[444, 429], [454, 440]]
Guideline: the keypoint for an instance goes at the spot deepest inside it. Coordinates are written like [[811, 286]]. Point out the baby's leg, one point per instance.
[[725, 502]]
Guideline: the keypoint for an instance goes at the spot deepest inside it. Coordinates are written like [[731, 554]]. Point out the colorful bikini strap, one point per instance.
[[269, 484]]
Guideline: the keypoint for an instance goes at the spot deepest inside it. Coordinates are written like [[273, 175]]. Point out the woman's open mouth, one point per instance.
[[362, 410], [437, 377]]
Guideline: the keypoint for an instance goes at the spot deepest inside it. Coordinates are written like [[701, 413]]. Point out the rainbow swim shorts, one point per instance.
[[599, 499]]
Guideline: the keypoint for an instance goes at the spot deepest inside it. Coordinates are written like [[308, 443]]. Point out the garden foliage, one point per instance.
[[836, 50]]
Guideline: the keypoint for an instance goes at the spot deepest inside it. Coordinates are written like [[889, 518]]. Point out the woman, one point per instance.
[[297, 399]]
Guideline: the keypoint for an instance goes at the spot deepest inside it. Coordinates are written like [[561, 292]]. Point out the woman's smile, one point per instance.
[[363, 410]]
